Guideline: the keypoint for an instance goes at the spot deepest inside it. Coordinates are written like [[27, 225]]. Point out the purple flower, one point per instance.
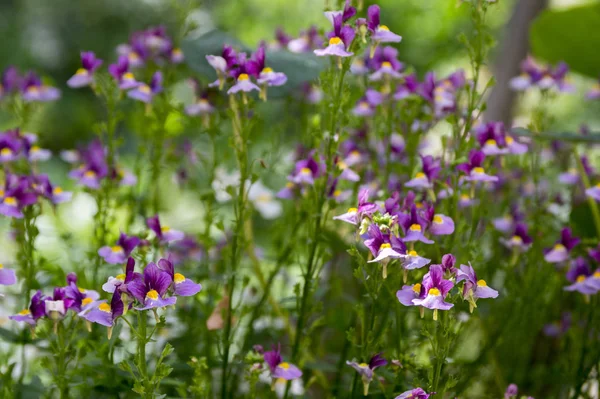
[[520, 239], [164, 233], [106, 314], [491, 137], [94, 168], [120, 72], [347, 13], [182, 286], [279, 368], [366, 370], [511, 391], [222, 64], [33, 90], [379, 33], [474, 169], [306, 171], [9, 81], [414, 226], [448, 262], [579, 275], [594, 192], [385, 64], [11, 145], [85, 75], [151, 289], [36, 310], [430, 171], [560, 251], [7, 276], [144, 92], [473, 288], [416, 393], [409, 292], [384, 247], [339, 39], [119, 252], [355, 215], [16, 195], [436, 289], [307, 41]]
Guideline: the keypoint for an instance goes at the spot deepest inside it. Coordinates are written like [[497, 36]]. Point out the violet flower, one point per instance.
[[151, 289], [438, 223], [491, 138], [379, 33], [562, 248], [339, 40], [164, 234], [385, 64], [121, 251], [36, 310], [33, 90], [279, 368], [347, 13], [16, 195], [520, 239], [106, 314], [308, 40], [222, 64], [7, 276], [430, 172], [409, 292], [579, 275], [365, 208], [436, 289], [306, 171], [182, 286], [473, 288], [266, 77], [145, 93], [474, 169], [384, 247], [416, 393], [94, 168], [366, 370], [85, 75], [10, 81], [414, 226], [120, 72], [594, 192]]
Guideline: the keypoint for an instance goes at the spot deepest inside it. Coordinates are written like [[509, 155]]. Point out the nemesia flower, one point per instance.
[[36, 310], [416, 393], [7, 276], [448, 262], [436, 289], [560, 251], [340, 40], [366, 370], [182, 286], [579, 274], [594, 192], [122, 75], [491, 137], [16, 195], [409, 292], [106, 314], [121, 281], [11, 145], [33, 90], [355, 215], [306, 171], [151, 289], [347, 13], [474, 169], [144, 92], [511, 391], [430, 171], [279, 368], [384, 247], [222, 64], [163, 233], [242, 74], [520, 239], [385, 63], [533, 75], [414, 226], [94, 168], [473, 288], [85, 75], [438, 224], [119, 252], [379, 33], [202, 105], [9, 81], [307, 41], [266, 76], [413, 261]]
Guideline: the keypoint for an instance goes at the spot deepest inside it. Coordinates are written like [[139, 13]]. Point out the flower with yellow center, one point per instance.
[[386, 64], [478, 170], [491, 142], [24, 312], [581, 278], [417, 288], [86, 301], [306, 171], [335, 41], [384, 27], [437, 219], [90, 174], [385, 245], [152, 294], [145, 89], [104, 307], [178, 278], [267, 70], [413, 253], [117, 248], [165, 229], [352, 210], [337, 193], [81, 71], [434, 292], [481, 283], [128, 76], [509, 140], [12, 201], [120, 277], [517, 240], [363, 365], [242, 77], [6, 152], [420, 175], [284, 365], [57, 190], [415, 227], [559, 247]]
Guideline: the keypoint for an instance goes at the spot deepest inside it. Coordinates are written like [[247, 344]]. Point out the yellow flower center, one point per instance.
[[289, 184], [413, 253], [87, 301], [479, 170], [145, 89], [420, 175], [165, 229], [581, 278], [596, 274], [6, 151], [33, 89], [306, 171], [509, 140], [179, 278], [335, 40], [481, 283], [352, 210], [267, 70], [57, 190], [133, 56], [128, 76], [1, 193], [35, 148], [284, 365], [12, 201], [342, 165], [598, 185], [465, 197], [152, 294], [1, 266], [355, 153], [104, 307], [116, 248], [363, 365], [81, 71], [415, 227], [517, 239], [559, 247], [419, 205], [177, 52], [437, 219], [384, 27], [384, 245], [491, 142], [434, 292], [90, 173], [416, 288], [82, 290], [24, 312], [337, 193], [364, 105], [243, 76], [120, 277], [386, 64]]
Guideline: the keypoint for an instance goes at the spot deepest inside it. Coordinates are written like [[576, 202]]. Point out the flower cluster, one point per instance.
[[28, 87]]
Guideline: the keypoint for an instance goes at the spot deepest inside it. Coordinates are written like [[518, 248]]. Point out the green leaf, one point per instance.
[[570, 35]]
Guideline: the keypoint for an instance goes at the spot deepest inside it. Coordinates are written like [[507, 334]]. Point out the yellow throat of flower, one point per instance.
[[417, 288], [242, 77], [152, 294], [434, 292], [437, 219], [335, 40], [104, 307], [415, 227], [178, 278]]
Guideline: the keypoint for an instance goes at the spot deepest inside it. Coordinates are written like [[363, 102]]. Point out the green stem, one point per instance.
[[141, 345]]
